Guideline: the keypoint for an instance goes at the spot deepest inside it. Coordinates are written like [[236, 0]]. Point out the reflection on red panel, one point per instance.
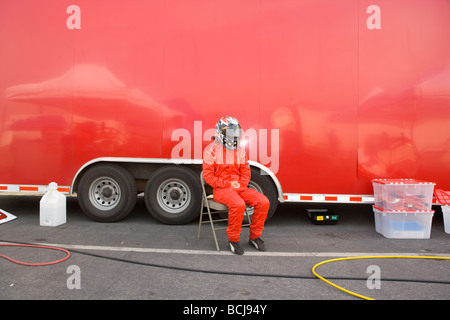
[[404, 106]]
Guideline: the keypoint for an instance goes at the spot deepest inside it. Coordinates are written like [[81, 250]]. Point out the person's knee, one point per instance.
[[238, 207], [264, 203]]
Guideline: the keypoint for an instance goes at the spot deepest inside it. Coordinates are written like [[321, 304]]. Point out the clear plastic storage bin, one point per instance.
[[443, 197], [446, 215], [403, 224], [403, 194]]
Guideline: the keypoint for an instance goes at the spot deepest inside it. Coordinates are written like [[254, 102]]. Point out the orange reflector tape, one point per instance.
[[31, 188], [28, 188]]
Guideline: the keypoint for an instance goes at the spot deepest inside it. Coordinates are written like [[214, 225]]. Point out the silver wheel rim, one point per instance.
[[104, 193], [173, 195]]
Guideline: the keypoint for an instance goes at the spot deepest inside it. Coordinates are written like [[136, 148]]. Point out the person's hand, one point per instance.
[[235, 184]]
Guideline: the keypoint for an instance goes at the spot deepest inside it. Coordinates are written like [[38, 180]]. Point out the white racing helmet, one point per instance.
[[228, 132]]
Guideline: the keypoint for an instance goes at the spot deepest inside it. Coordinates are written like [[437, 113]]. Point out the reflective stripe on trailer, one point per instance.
[[30, 188], [337, 198]]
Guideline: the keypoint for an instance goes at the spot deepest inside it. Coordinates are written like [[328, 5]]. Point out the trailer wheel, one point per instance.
[[173, 195], [107, 193], [263, 184]]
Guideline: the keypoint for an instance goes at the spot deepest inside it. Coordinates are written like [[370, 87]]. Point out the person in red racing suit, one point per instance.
[[226, 169]]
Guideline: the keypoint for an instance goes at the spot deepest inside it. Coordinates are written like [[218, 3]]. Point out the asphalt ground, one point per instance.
[[142, 259]]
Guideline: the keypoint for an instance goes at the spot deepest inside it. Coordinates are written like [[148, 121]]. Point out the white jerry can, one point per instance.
[[52, 207]]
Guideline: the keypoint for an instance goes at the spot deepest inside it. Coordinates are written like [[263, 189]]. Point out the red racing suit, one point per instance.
[[221, 167]]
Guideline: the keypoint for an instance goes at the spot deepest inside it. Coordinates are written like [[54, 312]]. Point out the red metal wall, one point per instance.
[[354, 93]]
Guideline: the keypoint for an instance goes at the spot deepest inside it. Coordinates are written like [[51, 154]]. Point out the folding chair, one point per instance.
[[216, 208]]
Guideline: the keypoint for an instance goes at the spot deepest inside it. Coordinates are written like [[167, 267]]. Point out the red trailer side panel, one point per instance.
[[331, 93]]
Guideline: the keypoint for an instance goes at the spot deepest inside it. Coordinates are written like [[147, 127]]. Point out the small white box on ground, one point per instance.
[[403, 224]]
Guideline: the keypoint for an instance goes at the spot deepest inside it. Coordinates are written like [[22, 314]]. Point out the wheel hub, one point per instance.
[[173, 195], [104, 193]]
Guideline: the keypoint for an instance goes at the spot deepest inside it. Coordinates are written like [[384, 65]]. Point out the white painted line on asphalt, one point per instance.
[[247, 253]]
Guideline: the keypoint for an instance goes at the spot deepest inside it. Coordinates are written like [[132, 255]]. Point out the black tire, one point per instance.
[[173, 195], [107, 193], [264, 184]]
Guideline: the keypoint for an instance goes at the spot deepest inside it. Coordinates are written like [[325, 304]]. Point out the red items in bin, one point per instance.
[[443, 197], [403, 194]]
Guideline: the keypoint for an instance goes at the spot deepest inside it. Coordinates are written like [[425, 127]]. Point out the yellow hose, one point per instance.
[[366, 257]]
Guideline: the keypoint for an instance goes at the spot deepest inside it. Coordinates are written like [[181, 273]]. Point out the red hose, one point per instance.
[[34, 246]]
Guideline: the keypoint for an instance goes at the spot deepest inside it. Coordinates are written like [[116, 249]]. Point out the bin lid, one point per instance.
[[401, 181], [443, 197]]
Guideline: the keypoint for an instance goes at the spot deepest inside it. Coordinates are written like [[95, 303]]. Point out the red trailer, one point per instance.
[[114, 98]]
